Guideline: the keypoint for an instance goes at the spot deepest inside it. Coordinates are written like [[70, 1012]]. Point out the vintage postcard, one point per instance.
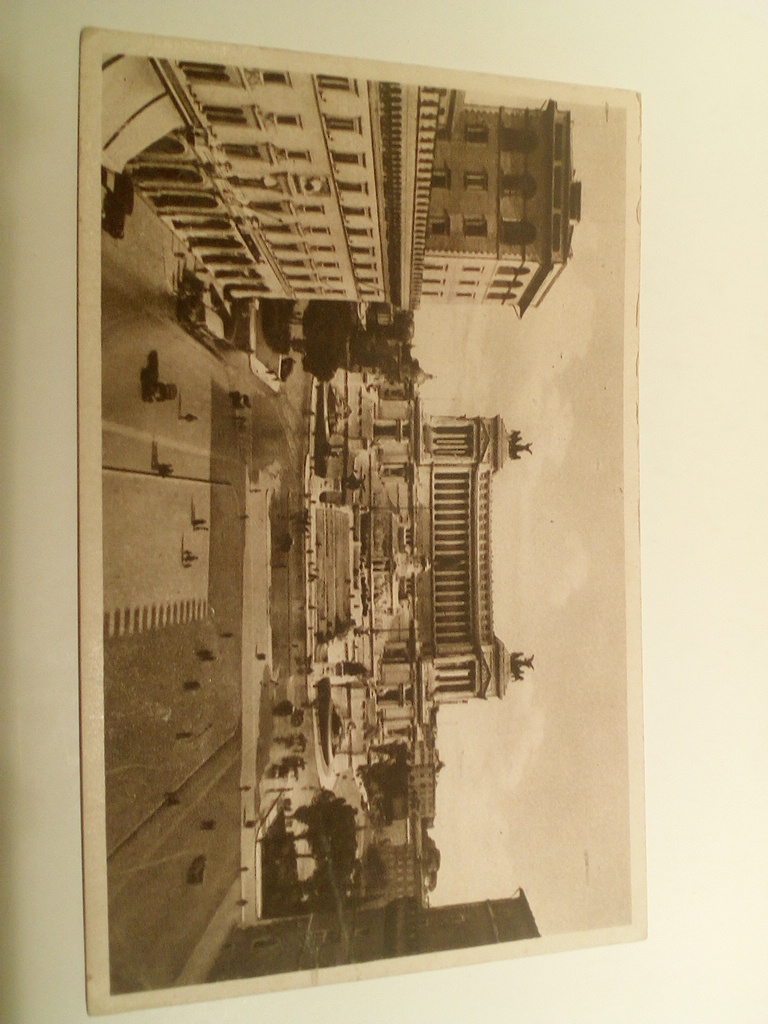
[[360, 615]]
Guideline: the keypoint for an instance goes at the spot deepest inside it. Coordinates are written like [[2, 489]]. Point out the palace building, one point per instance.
[[503, 204], [281, 183], [293, 185]]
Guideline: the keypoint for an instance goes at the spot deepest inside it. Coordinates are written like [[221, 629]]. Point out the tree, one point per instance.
[[331, 834], [430, 861], [329, 327], [276, 317]]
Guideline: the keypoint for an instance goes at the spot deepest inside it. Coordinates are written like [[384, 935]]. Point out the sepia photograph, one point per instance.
[[359, 527]]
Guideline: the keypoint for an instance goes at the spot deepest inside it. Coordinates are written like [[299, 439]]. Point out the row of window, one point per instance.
[[477, 181], [248, 117], [511, 140], [222, 74], [511, 232], [268, 153]]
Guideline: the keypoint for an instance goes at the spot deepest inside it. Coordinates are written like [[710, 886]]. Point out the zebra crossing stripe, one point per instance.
[[148, 618]]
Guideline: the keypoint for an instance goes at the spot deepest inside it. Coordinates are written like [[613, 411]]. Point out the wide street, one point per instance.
[[176, 478]]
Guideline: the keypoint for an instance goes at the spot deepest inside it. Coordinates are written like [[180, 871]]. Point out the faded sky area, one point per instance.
[[535, 791]]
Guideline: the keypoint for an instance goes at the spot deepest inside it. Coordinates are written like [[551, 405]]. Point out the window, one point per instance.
[[334, 82], [249, 152], [288, 120], [318, 229], [275, 78], [440, 225], [190, 200], [278, 229], [519, 184], [293, 276], [441, 177], [556, 230], [476, 180], [518, 140], [349, 158], [311, 207], [356, 211], [472, 270], [299, 154], [218, 73], [226, 115], [334, 123], [476, 133], [517, 271], [286, 247], [475, 227], [208, 224], [558, 142], [360, 232], [321, 248], [269, 206], [331, 264], [517, 232], [214, 242], [353, 186], [255, 77], [465, 295]]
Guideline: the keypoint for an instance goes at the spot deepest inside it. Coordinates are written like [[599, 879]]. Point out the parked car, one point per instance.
[[152, 388]]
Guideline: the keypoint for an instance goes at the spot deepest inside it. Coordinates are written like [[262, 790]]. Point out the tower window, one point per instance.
[[475, 227], [517, 232], [288, 120], [519, 184], [476, 180], [476, 133], [518, 140]]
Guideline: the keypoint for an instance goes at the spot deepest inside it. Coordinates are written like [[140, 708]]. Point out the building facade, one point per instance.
[[280, 183], [503, 204], [293, 185]]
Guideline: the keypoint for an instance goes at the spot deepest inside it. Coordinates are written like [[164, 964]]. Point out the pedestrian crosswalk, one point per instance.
[[145, 618]]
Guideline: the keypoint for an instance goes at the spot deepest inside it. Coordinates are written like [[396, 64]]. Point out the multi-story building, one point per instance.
[[281, 183], [309, 186], [502, 206], [403, 927]]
